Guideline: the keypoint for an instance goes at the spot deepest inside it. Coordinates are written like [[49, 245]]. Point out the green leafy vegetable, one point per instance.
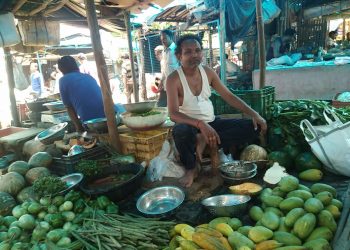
[[49, 185]]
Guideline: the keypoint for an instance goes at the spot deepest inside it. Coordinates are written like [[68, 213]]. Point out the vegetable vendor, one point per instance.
[[80, 93], [191, 109]]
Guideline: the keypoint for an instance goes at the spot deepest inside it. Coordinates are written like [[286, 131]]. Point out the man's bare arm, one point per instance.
[[74, 118], [233, 100]]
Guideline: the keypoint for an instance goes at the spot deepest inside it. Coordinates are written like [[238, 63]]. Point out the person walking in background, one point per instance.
[[55, 78], [84, 64], [80, 93], [127, 76], [168, 64], [36, 80]]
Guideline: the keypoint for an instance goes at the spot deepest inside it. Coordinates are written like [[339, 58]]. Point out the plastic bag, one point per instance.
[[164, 165], [331, 144], [270, 11], [21, 82]]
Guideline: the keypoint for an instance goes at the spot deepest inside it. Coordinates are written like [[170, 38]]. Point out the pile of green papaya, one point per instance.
[[296, 216], [291, 217]]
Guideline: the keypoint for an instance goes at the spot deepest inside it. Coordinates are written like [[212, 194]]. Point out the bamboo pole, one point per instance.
[[210, 48], [102, 75], [128, 33], [142, 67], [222, 42], [261, 41], [11, 86]]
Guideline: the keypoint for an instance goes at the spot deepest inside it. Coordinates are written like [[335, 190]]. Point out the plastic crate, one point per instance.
[[259, 100], [66, 164], [339, 104], [144, 145]]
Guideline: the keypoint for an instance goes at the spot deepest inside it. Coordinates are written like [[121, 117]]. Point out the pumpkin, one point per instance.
[[40, 159], [20, 167], [35, 173], [247, 188], [12, 183], [7, 203], [27, 193], [253, 153]]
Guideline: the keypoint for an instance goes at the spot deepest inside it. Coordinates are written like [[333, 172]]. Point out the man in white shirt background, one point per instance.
[[168, 64]]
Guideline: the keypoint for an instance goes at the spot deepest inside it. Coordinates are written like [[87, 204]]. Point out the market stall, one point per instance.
[[306, 80]]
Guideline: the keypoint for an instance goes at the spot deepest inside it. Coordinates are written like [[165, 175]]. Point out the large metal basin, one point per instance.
[[140, 107], [160, 200]]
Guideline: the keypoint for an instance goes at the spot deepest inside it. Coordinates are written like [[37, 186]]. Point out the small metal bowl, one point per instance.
[[140, 107], [236, 180], [55, 106], [238, 169], [76, 149], [160, 201], [52, 134], [99, 125], [226, 205], [71, 181]]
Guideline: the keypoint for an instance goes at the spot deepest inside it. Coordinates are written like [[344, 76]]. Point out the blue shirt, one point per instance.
[[35, 79], [82, 93]]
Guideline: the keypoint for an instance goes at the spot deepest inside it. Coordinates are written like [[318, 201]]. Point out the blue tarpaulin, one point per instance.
[[240, 16]]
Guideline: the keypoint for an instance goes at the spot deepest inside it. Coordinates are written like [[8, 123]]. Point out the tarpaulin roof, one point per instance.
[[109, 12]]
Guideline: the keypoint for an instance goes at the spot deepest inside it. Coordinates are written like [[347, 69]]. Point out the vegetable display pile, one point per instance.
[[149, 113], [114, 231], [49, 185], [88, 167]]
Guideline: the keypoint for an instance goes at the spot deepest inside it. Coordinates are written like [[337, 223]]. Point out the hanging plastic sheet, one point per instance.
[[240, 16]]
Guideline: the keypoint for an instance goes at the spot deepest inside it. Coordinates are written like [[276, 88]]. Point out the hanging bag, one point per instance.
[[330, 143]]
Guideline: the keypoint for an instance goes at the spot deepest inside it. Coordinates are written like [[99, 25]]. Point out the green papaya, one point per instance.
[[293, 215], [305, 225], [286, 238], [326, 219], [303, 194], [318, 244], [320, 187], [313, 205], [290, 203]]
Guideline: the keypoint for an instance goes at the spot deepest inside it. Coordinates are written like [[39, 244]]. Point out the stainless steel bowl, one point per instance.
[[140, 107], [55, 106], [238, 169], [226, 205], [161, 200], [99, 125], [237, 180], [71, 181], [52, 134], [138, 122], [76, 149]]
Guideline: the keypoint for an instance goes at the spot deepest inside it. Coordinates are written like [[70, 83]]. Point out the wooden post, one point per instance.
[[261, 41], [222, 42], [102, 75], [11, 85], [142, 67], [128, 33], [210, 39]]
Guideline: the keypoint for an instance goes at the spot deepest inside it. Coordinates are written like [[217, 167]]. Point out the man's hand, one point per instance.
[[259, 121], [211, 137]]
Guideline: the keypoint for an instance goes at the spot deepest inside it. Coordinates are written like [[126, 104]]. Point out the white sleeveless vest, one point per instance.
[[198, 107]]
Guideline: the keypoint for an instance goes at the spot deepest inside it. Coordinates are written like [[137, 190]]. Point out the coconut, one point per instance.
[[253, 153]]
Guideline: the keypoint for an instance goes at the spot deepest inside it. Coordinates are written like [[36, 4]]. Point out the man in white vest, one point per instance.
[[191, 109]]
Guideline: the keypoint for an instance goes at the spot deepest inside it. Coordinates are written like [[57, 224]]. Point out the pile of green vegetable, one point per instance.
[[113, 231], [49, 185]]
